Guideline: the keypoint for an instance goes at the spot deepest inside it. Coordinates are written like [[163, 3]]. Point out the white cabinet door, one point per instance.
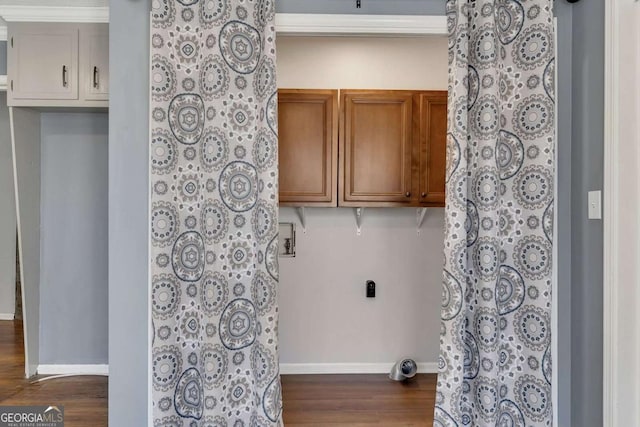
[[94, 60], [43, 61]]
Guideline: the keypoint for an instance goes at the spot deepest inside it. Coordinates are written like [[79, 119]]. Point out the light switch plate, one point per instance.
[[595, 204]]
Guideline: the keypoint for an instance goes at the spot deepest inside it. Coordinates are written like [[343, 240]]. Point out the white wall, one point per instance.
[[324, 314], [325, 317], [7, 218], [362, 62]]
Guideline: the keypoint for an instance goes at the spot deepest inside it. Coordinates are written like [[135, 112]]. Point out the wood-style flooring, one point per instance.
[[84, 398], [357, 400], [309, 400]]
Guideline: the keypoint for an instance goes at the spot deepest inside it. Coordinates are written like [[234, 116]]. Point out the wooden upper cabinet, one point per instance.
[[391, 150], [432, 140], [308, 147], [375, 148], [42, 62], [58, 65]]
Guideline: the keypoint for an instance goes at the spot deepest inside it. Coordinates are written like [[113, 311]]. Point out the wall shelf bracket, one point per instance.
[[359, 213], [420, 213], [302, 215]]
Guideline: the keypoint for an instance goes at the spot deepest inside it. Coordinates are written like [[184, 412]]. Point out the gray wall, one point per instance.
[[3, 59], [73, 246], [587, 237], [128, 213], [7, 216], [563, 206]]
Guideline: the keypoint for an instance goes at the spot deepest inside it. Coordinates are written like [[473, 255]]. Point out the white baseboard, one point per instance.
[[73, 370], [7, 316], [348, 368]]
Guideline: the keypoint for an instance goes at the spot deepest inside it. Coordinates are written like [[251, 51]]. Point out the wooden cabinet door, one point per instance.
[[432, 147], [308, 147], [94, 60], [375, 148], [43, 61]]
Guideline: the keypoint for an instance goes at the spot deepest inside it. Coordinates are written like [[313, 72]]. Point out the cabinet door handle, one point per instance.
[[407, 194], [64, 76], [423, 195], [96, 77]]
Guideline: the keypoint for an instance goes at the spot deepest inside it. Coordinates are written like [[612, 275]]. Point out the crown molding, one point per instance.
[[91, 14], [3, 33], [334, 24]]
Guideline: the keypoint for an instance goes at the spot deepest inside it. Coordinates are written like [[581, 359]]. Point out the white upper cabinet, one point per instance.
[[94, 60], [43, 62], [58, 65]]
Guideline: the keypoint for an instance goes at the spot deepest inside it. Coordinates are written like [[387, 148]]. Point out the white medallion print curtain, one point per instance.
[[214, 216], [495, 347]]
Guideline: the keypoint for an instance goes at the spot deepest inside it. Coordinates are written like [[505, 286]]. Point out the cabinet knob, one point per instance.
[[423, 195], [407, 194]]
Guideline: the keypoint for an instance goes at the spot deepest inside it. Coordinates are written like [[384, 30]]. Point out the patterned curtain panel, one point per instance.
[[495, 364], [214, 216]]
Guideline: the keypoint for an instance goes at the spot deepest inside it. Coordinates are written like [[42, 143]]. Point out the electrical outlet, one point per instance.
[[371, 289]]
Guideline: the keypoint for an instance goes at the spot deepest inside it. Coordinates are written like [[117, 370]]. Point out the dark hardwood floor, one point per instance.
[[11, 359], [357, 400], [84, 398], [309, 400]]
